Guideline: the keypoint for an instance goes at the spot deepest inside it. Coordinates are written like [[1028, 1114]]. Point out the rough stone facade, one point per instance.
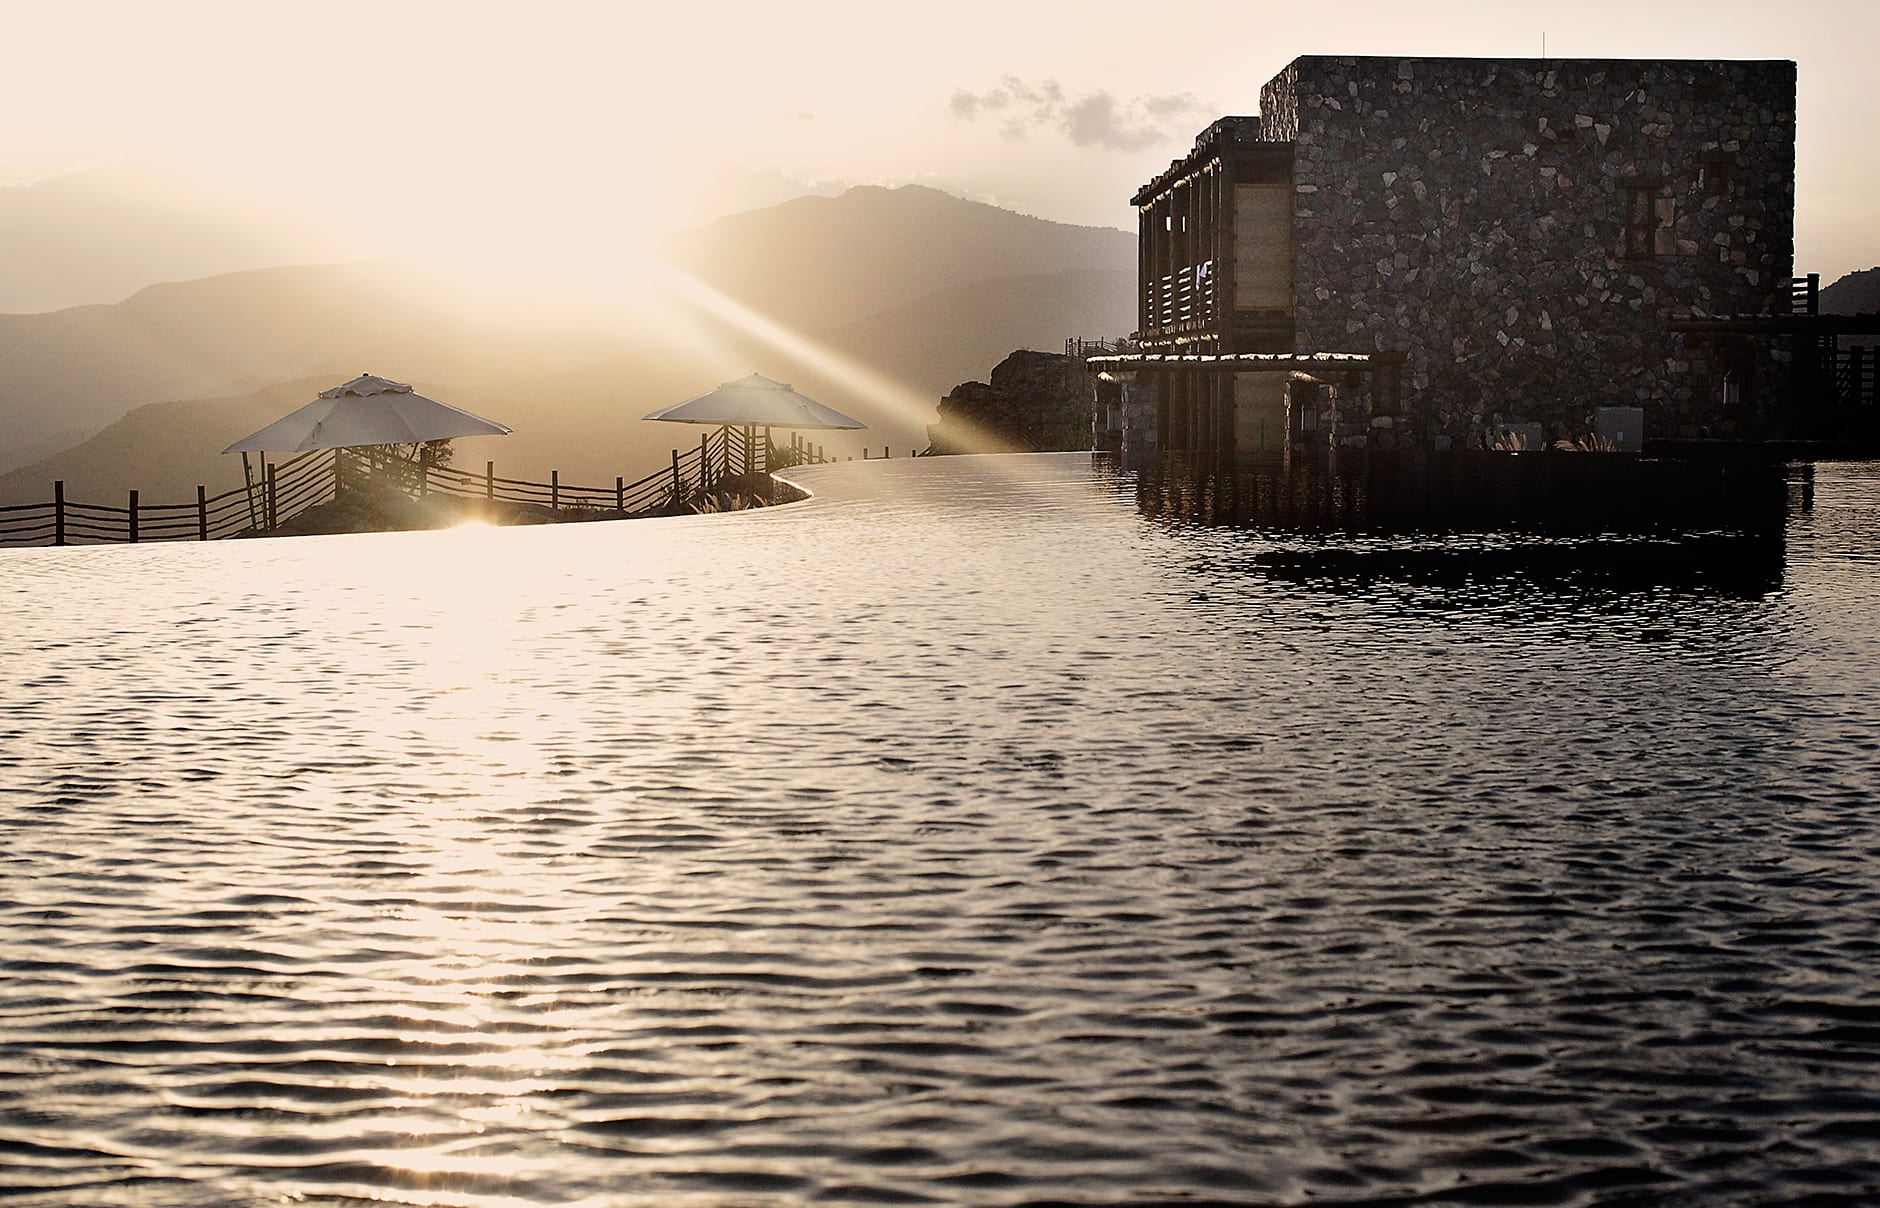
[[1522, 231], [1036, 401]]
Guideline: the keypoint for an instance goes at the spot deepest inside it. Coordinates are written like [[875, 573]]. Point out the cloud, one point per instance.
[[1098, 120]]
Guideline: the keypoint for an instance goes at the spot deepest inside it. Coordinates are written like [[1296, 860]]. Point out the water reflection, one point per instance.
[[1582, 572], [1467, 491]]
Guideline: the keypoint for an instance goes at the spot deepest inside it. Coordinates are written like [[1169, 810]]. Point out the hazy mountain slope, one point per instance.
[[823, 262], [1855, 294], [161, 449], [985, 321], [98, 237], [69, 373]]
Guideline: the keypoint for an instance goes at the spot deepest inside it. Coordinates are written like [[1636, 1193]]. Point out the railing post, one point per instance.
[[489, 481], [202, 512], [620, 494], [274, 515], [133, 515], [58, 512], [704, 464], [676, 492], [554, 490]]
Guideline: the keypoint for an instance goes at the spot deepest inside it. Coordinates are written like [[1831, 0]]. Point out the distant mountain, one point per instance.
[[916, 287], [984, 321], [819, 263], [1855, 294], [98, 237]]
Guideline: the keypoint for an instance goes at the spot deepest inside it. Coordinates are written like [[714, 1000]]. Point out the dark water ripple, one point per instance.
[[958, 837]]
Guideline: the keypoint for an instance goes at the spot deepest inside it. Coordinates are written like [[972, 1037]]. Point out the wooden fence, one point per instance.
[[726, 460]]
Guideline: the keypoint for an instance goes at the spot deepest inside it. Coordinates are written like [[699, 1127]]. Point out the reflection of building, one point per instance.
[[1482, 243]]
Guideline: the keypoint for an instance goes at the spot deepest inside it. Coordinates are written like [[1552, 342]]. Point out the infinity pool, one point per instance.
[[958, 836]]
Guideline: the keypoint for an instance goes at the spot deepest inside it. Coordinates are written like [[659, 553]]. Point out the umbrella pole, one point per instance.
[[750, 457], [248, 489]]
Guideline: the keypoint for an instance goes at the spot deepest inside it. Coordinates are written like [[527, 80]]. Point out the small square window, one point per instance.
[[1713, 175], [1650, 220]]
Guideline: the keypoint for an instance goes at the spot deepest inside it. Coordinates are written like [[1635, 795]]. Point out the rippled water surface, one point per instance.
[[959, 836]]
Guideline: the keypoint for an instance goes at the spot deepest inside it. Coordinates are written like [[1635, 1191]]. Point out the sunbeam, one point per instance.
[[906, 404]]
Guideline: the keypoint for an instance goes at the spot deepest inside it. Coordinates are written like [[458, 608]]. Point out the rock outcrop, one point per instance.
[[1855, 294], [1036, 401]]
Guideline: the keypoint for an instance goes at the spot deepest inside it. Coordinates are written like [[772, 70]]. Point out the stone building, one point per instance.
[[1408, 252]]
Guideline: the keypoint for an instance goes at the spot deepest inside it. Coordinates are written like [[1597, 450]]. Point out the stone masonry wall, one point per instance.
[[1472, 213]]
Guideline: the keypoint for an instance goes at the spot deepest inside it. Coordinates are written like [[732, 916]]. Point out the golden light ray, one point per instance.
[[907, 404]]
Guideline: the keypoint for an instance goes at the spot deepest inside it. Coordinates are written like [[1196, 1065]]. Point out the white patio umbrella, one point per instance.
[[759, 402], [755, 402], [368, 410]]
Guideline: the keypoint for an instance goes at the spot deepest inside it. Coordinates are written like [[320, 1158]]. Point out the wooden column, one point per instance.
[[58, 512], [1224, 262], [1145, 280], [133, 518], [202, 512]]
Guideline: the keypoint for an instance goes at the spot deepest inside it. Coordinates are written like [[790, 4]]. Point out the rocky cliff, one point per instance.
[[1855, 294], [1036, 401]]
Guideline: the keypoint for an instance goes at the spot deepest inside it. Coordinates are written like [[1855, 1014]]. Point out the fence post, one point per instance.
[[58, 512], [202, 512], [620, 494], [676, 489], [133, 512], [274, 515], [554, 490], [489, 480], [704, 464]]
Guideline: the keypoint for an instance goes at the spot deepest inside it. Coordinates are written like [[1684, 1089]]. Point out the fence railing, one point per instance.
[[1077, 346], [282, 491], [732, 461]]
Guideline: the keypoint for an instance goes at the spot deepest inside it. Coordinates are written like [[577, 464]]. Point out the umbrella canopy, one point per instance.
[[366, 411], [757, 401]]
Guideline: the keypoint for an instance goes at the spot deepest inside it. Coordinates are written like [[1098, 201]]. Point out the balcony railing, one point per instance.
[[1183, 297]]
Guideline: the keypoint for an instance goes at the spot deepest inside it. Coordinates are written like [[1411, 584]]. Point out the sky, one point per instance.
[[555, 132]]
